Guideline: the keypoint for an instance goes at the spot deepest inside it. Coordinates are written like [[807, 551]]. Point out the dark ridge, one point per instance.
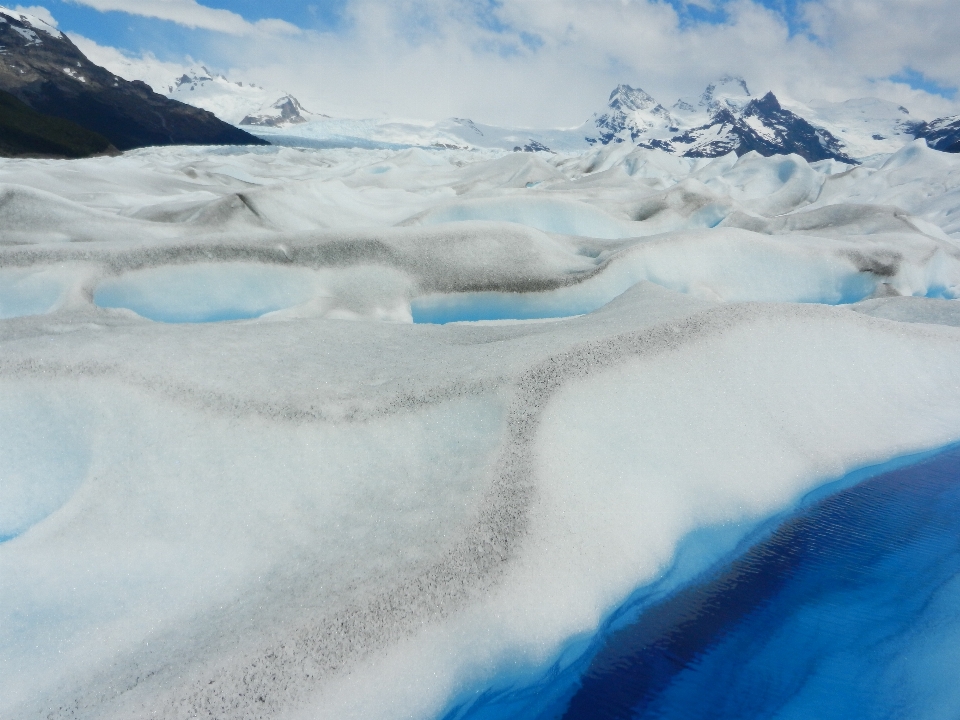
[[942, 134], [53, 77], [657, 144], [533, 146], [26, 133]]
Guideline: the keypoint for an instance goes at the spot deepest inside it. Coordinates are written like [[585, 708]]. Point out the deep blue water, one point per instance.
[[849, 607]]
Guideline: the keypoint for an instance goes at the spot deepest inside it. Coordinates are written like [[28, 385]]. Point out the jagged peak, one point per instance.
[[767, 103], [723, 116], [287, 110], [628, 98], [288, 101]]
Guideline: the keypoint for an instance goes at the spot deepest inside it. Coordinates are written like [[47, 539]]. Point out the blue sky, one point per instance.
[[527, 61], [121, 29], [717, 13]]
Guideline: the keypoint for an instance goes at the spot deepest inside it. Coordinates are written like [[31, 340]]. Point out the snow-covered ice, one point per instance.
[[262, 453]]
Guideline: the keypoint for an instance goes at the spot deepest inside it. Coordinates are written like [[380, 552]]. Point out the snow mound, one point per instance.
[[552, 215]]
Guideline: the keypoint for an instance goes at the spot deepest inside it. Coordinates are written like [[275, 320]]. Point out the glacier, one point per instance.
[[404, 433]]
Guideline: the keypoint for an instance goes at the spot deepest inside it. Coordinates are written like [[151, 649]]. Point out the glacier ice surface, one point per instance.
[[280, 438]]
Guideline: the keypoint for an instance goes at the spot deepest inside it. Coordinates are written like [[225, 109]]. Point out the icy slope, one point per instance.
[[236, 102], [247, 473], [865, 126]]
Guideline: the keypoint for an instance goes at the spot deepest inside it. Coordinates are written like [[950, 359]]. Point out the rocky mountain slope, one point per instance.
[[26, 133], [42, 68], [942, 134]]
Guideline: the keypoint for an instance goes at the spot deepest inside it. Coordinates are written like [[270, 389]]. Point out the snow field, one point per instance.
[[219, 498]]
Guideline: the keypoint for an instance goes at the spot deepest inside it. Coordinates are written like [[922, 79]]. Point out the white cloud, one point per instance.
[[192, 14], [553, 62], [881, 37], [156, 73], [435, 58]]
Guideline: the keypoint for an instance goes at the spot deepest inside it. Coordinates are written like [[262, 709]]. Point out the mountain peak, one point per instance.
[[768, 103], [627, 98], [285, 111], [631, 113]]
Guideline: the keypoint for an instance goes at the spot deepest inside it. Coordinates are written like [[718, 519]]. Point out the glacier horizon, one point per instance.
[[326, 509], [726, 117]]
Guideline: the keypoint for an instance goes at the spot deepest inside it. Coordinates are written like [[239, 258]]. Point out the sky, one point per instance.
[[535, 63]]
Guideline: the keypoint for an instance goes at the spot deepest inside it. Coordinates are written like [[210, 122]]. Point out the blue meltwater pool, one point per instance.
[[849, 608]]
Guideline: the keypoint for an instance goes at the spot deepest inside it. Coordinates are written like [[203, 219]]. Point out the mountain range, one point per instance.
[[44, 70], [726, 117], [721, 122], [47, 74]]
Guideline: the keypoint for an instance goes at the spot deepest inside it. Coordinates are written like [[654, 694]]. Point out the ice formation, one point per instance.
[[287, 433]]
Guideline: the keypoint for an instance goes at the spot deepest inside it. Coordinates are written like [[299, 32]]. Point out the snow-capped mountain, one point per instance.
[[285, 111], [726, 118], [236, 102], [763, 126], [630, 113]]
